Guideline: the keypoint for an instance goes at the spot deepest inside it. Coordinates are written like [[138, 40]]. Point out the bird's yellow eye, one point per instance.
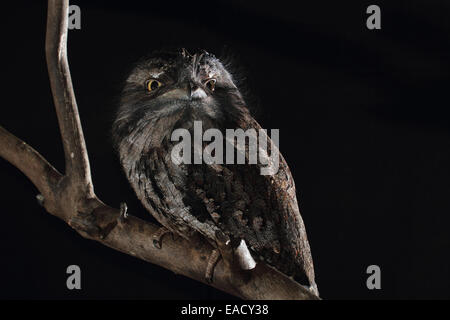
[[211, 84], [153, 84]]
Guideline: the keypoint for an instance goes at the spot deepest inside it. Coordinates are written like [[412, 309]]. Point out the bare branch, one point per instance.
[[77, 162], [71, 197], [131, 236], [43, 175]]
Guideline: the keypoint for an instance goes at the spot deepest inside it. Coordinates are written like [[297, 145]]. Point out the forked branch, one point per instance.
[[71, 196]]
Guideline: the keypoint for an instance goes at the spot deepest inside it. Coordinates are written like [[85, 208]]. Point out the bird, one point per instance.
[[257, 214]]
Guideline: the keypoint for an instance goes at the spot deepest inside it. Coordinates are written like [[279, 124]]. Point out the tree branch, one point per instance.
[[41, 173], [77, 162], [71, 196]]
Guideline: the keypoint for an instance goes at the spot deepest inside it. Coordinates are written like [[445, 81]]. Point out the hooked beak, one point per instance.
[[196, 92], [189, 90]]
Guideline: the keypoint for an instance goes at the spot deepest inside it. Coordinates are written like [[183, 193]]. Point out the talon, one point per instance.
[[40, 199], [212, 262], [158, 235], [123, 210]]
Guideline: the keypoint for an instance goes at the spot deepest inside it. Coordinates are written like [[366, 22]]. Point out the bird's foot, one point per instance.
[[123, 210], [212, 262], [158, 236], [40, 199]]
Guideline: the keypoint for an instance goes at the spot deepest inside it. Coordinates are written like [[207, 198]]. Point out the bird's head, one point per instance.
[[169, 87], [175, 80]]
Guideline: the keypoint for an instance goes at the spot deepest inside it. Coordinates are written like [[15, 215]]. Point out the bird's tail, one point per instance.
[[313, 288]]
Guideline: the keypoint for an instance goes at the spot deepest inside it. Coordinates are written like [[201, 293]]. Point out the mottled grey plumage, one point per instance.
[[200, 198]]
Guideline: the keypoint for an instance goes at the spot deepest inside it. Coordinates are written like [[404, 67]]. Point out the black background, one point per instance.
[[363, 118]]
